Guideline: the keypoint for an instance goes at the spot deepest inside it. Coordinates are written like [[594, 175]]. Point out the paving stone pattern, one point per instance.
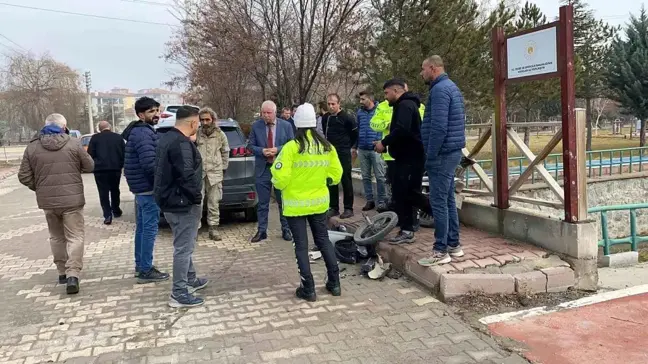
[[482, 249], [250, 315]]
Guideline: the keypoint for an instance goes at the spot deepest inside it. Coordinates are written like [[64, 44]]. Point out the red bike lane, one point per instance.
[[614, 331]]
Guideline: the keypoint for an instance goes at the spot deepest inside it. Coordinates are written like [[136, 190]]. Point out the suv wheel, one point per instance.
[[251, 214]]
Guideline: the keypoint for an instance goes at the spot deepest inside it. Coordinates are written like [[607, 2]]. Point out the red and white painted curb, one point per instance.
[[585, 301]]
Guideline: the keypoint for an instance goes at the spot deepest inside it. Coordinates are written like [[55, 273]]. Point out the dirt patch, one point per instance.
[[474, 306]]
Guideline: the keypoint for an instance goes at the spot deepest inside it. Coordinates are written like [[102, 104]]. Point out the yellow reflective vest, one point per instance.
[[381, 122], [301, 177]]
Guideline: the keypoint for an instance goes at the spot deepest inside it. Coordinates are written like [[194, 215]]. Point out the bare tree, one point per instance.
[[36, 86], [243, 51], [599, 105]]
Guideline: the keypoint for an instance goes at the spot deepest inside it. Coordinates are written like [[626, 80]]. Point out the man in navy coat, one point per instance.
[[444, 136], [267, 136]]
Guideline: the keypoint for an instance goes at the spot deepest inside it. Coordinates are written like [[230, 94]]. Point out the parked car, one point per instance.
[[239, 192], [75, 134], [85, 141], [168, 115]]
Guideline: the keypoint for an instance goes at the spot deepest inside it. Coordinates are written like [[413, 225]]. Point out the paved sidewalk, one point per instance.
[[608, 332], [250, 315]]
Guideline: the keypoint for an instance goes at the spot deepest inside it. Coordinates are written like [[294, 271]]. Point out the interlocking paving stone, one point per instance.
[[250, 314]]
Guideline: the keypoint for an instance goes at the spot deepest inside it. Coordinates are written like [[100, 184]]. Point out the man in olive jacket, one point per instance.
[[52, 166]]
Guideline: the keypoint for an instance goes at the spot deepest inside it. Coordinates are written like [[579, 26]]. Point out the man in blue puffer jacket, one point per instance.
[[444, 136], [369, 159], [139, 169]]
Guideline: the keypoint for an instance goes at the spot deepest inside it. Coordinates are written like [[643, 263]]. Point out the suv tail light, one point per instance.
[[165, 115], [240, 152]]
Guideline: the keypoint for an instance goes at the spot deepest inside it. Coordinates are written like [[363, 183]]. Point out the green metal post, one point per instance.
[[633, 230], [604, 229]]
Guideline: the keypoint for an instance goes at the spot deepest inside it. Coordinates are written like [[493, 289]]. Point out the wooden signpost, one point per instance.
[[536, 54]]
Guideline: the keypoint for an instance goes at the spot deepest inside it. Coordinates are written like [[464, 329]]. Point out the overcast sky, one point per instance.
[[127, 54]]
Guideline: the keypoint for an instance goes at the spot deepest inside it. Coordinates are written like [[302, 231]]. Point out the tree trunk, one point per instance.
[[642, 133], [588, 122]]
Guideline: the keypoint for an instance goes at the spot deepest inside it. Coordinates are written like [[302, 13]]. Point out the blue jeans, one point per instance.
[[185, 231], [146, 229], [370, 160], [441, 172]]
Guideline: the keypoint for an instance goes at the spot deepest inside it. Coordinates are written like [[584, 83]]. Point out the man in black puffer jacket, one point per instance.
[[178, 192], [405, 145]]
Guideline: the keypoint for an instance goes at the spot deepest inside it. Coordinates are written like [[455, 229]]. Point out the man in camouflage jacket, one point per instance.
[[214, 150]]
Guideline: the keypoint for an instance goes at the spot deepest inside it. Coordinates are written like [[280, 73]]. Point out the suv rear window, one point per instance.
[[234, 137]]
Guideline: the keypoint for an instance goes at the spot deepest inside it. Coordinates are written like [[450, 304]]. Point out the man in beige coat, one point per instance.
[[52, 166], [214, 150]]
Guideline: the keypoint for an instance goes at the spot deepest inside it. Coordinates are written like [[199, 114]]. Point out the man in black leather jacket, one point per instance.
[[178, 192]]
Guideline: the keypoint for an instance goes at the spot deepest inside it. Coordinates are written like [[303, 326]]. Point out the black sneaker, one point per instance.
[[185, 300], [259, 236], [306, 294], [62, 279], [117, 214], [197, 284], [72, 285], [286, 235], [382, 208], [402, 238], [369, 206], [332, 213], [346, 214], [153, 275]]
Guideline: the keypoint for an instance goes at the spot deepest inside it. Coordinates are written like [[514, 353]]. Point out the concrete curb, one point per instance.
[[619, 260], [445, 282], [448, 282]]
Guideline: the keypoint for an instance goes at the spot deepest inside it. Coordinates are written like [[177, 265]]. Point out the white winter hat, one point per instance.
[[305, 116]]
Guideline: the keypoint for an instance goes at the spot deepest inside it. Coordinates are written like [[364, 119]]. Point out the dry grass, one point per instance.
[[537, 143]]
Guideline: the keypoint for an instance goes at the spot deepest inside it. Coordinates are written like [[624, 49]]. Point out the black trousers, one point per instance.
[[108, 186], [407, 193], [389, 176], [347, 184], [319, 229]]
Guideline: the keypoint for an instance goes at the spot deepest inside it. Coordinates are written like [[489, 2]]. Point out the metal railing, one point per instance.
[[598, 162], [634, 239]]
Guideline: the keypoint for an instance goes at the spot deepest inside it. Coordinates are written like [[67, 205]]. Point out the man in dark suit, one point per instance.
[[107, 150], [267, 136]]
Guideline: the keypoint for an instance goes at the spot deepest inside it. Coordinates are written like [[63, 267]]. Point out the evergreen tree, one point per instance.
[[592, 40], [628, 70]]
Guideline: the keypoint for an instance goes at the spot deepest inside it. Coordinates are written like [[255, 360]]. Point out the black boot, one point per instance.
[[72, 285], [307, 290], [333, 284]]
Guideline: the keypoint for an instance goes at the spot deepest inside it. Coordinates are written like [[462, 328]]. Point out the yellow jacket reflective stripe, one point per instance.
[[301, 177], [381, 122]]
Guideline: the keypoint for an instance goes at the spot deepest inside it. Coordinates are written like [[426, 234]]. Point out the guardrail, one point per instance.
[[634, 239], [618, 161]]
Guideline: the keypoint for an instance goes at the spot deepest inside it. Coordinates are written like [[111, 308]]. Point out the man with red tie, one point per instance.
[[267, 136]]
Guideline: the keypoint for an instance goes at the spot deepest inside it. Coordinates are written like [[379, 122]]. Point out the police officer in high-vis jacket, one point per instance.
[[303, 171], [380, 122]]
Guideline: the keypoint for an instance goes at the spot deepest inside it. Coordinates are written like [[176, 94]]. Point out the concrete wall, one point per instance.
[[613, 190]]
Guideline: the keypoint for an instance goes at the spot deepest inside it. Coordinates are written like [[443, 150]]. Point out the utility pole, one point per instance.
[[88, 83]]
